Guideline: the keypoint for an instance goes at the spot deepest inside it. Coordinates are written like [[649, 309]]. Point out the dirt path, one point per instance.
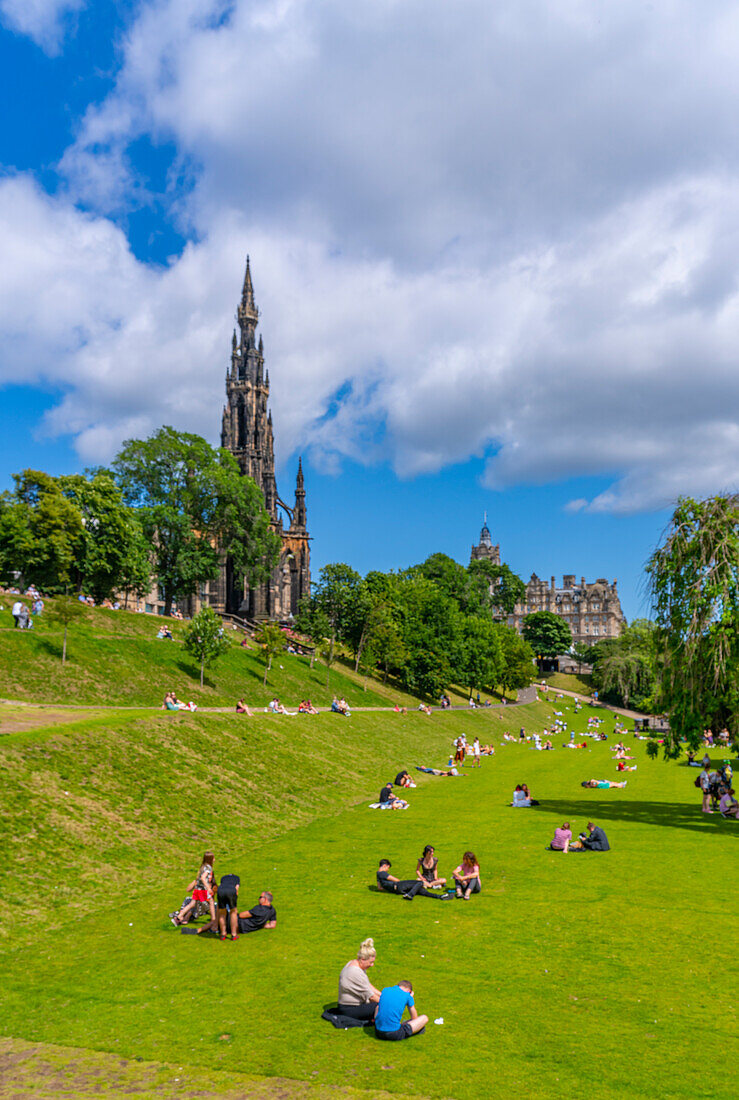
[[45, 1072]]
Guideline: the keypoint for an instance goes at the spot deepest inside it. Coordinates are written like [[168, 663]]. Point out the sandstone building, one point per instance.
[[247, 432], [591, 610]]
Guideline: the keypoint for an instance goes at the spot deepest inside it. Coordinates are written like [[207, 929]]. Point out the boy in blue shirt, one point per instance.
[[394, 1000]]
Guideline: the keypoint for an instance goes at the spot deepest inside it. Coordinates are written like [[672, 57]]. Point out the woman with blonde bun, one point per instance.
[[357, 996]]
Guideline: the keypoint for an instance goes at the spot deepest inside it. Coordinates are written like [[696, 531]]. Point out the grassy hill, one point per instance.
[[115, 658], [105, 818], [106, 812]]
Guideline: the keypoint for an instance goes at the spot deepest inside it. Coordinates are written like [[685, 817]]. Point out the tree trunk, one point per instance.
[[202, 667], [64, 646], [360, 648]]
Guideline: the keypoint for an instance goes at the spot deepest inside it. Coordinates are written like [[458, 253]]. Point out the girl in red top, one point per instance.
[[202, 889]]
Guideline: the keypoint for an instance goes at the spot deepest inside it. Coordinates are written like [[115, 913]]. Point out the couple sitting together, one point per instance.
[[360, 1001], [595, 840]]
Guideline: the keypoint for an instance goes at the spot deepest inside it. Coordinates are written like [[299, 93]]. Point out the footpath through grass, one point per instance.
[[577, 976]]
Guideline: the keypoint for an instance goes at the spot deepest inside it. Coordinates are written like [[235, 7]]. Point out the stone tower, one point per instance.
[[246, 431], [485, 551]]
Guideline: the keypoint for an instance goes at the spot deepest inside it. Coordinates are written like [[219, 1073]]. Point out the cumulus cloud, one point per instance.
[[42, 20], [507, 231]]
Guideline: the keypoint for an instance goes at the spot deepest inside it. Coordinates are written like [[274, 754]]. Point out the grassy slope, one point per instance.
[[569, 681], [115, 656], [575, 976]]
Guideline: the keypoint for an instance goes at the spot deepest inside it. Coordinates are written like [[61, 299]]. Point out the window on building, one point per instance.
[[148, 608]]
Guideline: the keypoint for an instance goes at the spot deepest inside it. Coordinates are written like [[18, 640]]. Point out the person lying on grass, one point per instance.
[[437, 771], [387, 798], [595, 840], [426, 868], [261, 915], [242, 708], [622, 767], [467, 876], [604, 783], [357, 996], [407, 888], [394, 1000], [201, 889]]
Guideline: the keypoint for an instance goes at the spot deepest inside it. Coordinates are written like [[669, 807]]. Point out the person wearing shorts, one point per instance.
[[389, 1023]]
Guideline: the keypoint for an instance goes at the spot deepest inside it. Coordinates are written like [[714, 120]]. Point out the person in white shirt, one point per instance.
[[16, 612], [476, 751]]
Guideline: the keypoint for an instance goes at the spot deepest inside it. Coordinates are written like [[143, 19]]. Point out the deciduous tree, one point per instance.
[[694, 584], [205, 639]]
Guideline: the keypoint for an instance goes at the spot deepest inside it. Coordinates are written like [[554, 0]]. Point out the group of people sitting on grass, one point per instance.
[[165, 633], [171, 702], [467, 880], [594, 840], [340, 706], [219, 900]]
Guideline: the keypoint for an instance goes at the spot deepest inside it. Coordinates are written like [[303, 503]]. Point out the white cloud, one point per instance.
[[500, 230], [42, 20]]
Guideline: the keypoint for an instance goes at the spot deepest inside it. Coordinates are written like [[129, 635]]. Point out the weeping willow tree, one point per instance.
[[694, 586]]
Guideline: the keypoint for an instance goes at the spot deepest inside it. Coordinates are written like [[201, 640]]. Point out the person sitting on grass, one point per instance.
[[394, 1000], [602, 783], [562, 838], [387, 798], [406, 887], [623, 767], [165, 632], [227, 896], [728, 806], [426, 869], [520, 798], [357, 996], [402, 779], [306, 707], [425, 709], [201, 889], [595, 840], [242, 708], [467, 876]]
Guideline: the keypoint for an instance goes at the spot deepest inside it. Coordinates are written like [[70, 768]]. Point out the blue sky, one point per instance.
[[494, 250]]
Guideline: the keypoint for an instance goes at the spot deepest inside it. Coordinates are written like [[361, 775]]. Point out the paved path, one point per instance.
[[586, 699]]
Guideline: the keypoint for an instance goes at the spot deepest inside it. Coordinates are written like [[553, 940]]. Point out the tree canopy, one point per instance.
[[195, 505], [547, 634], [72, 531], [694, 585]]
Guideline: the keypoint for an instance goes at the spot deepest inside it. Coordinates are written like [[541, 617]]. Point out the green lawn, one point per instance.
[[114, 657], [567, 681], [580, 976]]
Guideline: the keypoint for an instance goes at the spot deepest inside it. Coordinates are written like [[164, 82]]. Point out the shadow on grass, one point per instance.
[[193, 673], [641, 813]]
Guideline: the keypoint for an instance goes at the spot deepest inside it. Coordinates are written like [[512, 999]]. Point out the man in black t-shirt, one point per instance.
[[261, 915], [407, 888]]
